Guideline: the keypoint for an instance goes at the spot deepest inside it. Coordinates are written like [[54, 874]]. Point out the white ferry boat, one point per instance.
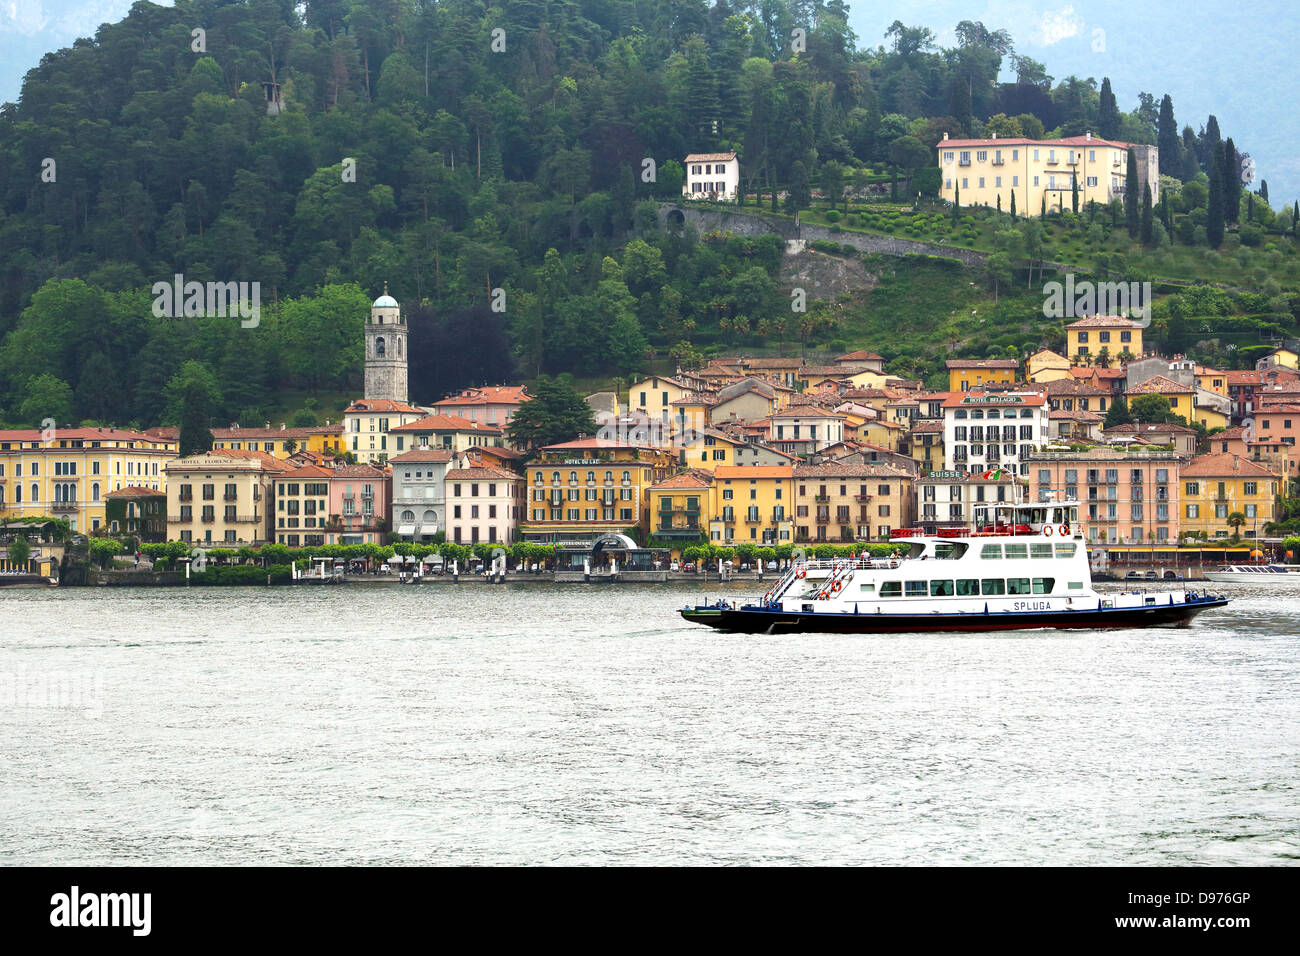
[[1015, 566], [1253, 573]]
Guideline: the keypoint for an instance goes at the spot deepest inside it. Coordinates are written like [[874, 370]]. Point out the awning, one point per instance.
[[428, 529], [406, 529]]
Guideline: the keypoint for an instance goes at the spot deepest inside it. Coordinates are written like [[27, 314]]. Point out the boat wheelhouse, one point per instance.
[[1017, 565]]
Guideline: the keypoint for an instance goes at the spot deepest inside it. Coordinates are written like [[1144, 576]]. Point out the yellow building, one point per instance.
[[1042, 174], [752, 503], [652, 397], [444, 432], [66, 472], [280, 442], [883, 433], [1216, 486], [1212, 380], [966, 375], [222, 498], [706, 448], [842, 502], [1283, 358], [925, 444], [302, 506], [1046, 366], [582, 489], [367, 427], [1182, 401], [1110, 332], [680, 507]]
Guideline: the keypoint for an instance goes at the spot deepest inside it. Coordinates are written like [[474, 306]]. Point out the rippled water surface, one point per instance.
[[589, 724]]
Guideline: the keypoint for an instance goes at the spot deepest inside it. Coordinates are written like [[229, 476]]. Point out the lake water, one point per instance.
[[376, 724]]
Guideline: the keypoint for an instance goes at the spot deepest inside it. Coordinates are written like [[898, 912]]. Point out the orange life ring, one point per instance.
[[1065, 530], [801, 573], [1047, 530], [823, 596], [837, 585]]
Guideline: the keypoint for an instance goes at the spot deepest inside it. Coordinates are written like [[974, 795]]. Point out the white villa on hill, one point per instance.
[[712, 176]]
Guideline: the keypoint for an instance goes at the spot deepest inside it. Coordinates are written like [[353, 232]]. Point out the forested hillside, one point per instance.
[[449, 149]]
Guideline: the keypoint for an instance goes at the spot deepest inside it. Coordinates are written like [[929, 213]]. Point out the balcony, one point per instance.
[[63, 507], [862, 497], [753, 519], [186, 496], [821, 498], [230, 497], [208, 519]]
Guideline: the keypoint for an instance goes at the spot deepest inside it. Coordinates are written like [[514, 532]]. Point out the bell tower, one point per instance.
[[386, 350]]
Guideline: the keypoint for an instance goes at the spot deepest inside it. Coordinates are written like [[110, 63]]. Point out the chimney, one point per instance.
[[995, 135], [281, 426], [945, 135], [266, 425]]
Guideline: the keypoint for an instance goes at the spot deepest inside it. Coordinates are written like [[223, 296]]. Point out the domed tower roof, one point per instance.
[[385, 301]]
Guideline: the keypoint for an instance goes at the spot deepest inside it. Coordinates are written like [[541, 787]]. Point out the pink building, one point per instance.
[[484, 503], [359, 503], [493, 405], [1125, 497]]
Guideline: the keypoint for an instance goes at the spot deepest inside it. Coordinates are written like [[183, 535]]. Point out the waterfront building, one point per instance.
[[1042, 174], [368, 425], [752, 504], [680, 506], [282, 442], [222, 498], [993, 430], [484, 503], [1216, 486], [582, 489], [946, 499], [68, 472], [302, 506], [137, 510], [360, 502], [836, 501], [1126, 495], [419, 508]]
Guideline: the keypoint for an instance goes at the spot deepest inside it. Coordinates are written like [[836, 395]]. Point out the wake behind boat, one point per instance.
[[1016, 566]]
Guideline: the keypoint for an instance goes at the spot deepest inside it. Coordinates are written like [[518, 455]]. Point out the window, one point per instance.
[[891, 588], [968, 587], [993, 586], [1018, 586], [917, 589], [991, 551], [941, 589], [1017, 550]]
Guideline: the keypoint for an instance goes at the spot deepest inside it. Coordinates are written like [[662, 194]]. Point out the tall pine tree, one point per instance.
[[1013, 204], [1171, 159], [1131, 211], [1108, 115], [1148, 219], [959, 103], [1214, 205], [1231, 183]]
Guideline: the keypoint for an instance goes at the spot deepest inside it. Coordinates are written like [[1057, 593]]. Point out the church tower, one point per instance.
[[386, 350]]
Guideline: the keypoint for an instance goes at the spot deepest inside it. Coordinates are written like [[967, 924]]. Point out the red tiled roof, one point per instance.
[[835, 469], [1023, 141], [135, 491], [488, 395], [753, 471], [196, 462], [1104, 322], [687, 479], [709, 157], [445, 423], [862, 355], [482, 471], [982, 363], [1224, 466], [422, 454], [1159, 385], [963, 399], [382, 405]]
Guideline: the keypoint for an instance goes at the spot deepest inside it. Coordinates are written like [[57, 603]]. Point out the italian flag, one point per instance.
[[995, 475]]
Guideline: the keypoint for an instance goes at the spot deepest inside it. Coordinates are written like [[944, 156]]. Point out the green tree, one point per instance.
[[1235, 520], [192, 397], [1150, 409], [1148, 220], [47, 397], [1132, 198], [800, 193], [1108, 112], [20, 553], [1170, 146], [832, 181], [1214, 213], [1118, 413], [1231, 183], [554, 414]]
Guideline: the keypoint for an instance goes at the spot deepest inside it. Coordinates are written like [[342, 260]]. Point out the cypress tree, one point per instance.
[[1263, 191], [1148, 221], [999, 203], [1250, 207], [1171, 159], [1231, 183], [1013, 204], [1191, 165], [1295, 218], [1118, 413], [1214, 206], [1074, 194], [1131, 200], [1108, 115], [956, 202], [1042, 212]]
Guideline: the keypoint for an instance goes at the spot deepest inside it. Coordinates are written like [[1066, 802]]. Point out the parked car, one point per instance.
[[688, 567]]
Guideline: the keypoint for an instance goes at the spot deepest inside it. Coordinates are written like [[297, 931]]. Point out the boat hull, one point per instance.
[[758, 620]]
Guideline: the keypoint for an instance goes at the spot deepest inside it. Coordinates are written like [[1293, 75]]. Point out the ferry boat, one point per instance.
[[1253, 573], [1015, 566]]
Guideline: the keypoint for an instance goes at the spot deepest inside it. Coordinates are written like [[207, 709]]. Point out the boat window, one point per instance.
[[1017, 551], [942, 551], [993, 586], [968, 587], [1076, 585], [1018, 586], [917, 589], [1040, 550], [1065, 549], [941, 589], [891, 588], [1044, 585], [1074, 515], [991, 551], [867, 588]]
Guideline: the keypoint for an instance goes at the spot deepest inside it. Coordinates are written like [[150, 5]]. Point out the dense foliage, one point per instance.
[[487, 162]]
